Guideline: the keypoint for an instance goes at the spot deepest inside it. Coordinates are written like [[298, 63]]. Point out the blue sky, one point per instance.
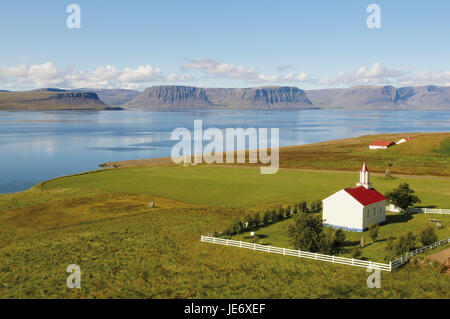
[[309, 44]]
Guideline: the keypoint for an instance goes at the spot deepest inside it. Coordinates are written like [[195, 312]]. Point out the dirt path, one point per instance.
[[442, 257]]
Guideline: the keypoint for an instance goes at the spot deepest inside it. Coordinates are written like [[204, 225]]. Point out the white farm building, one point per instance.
[[355, 208]]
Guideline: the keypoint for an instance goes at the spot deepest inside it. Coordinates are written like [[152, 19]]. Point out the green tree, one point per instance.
[[238, 227], [306, 231], [374, 231], [248, 220], [266, 217], [318, 204], [273, 215], [403, 197], [400, 246], [428, 236], [280, 213], [256, 219], [303, 207]]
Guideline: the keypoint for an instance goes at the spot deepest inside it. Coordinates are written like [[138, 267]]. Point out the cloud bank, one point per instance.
[[109, 76]]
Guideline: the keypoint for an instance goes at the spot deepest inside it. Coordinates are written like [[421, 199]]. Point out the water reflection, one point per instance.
[[35, 146]]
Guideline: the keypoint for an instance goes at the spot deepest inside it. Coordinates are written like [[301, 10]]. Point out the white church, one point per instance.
[[354, 208]]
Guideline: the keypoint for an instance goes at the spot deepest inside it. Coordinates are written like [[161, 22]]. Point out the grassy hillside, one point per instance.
[[102, 222], [50, 100], [426, 154]]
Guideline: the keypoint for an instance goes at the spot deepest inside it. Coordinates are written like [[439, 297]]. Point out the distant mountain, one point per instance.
[[171, 97], [247, 98], [382, 97], [50, 99], [113, 97], [265, 98], [271, 98]]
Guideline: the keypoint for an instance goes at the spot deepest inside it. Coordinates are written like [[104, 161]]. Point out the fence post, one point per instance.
[[254, 246], [370, 264], [333, 258], [353, 261], [390, 266], [228, 242], [284, 251]]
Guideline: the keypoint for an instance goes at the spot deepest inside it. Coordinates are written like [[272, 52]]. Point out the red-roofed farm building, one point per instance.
[[381, 145], [354, 209]]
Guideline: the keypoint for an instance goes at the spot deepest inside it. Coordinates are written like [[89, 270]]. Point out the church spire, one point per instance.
[[364, 177]]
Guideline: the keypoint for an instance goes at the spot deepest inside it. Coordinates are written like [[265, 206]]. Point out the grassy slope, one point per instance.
[[41, 100], [427, 154], [276, 234], [102, 222]]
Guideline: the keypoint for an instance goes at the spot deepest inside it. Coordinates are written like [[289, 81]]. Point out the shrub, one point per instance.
[[356, 252], [238, 227], [303, 207], [256, 219], [266, 217], [305, 233], [400, 246], [374, 231], [428, 236]]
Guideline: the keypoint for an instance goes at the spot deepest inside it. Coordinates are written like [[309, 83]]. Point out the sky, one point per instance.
[[309, 44]]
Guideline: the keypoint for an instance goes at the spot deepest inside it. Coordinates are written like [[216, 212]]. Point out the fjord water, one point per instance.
[[36, 146]]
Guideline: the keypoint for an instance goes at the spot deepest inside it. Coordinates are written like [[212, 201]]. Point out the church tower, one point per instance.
[[364, 177]]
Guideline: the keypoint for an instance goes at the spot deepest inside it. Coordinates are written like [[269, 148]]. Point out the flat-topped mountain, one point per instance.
[[246, 98], [172, 97], [50, 99], [270, 97], [383, 97], [113, 97]]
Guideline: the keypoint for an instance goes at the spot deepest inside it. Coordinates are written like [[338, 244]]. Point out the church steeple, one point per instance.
[[364, 177]]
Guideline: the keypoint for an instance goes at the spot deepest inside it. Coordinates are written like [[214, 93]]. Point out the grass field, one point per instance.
[[102, 222], [396, 224]]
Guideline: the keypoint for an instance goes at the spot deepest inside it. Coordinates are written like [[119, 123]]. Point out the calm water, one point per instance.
[[35, 146]]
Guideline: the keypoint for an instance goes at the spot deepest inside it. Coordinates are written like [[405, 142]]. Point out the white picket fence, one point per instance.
[[409, 255], [430, 210], [392, 208], [316, 256], [298, 253]]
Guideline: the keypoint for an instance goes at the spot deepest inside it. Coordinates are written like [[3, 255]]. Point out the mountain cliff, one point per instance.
[[250, 98], [113, 97], [271, 98], [50, 99], [172, 97], [382, 97]]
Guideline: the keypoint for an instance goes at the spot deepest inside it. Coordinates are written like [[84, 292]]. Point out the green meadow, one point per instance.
[[102, 222]]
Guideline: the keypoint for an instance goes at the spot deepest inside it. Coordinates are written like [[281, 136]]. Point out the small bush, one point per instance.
[[428, 236]]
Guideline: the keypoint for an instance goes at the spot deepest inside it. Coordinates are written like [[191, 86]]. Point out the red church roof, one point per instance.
[[382, 143], [365, 196]]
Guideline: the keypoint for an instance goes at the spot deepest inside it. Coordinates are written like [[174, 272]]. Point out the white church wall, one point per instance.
[[378, 217], [341, 210]]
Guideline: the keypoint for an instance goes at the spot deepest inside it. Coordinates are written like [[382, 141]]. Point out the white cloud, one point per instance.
[[377, 74], [237, 72], [47, 75], [427, 77]]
